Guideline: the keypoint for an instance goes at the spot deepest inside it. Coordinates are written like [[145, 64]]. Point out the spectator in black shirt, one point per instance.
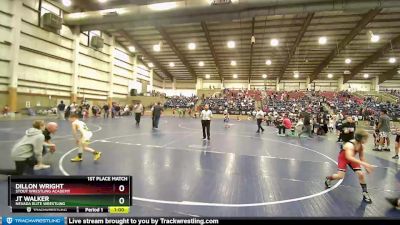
[[61, 110], [156, 114], [348, 129], [106, 109]]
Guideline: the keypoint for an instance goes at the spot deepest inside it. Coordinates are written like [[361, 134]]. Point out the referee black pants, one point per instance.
[[259, 121], [206, 125], [137, 118]]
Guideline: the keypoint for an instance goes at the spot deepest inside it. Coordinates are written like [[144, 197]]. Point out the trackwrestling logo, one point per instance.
[[33, 220]]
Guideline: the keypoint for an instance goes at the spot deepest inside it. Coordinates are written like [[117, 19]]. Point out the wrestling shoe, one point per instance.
[[76, 159], [97, 156], [366, 197], [327, 183], [41, 167]]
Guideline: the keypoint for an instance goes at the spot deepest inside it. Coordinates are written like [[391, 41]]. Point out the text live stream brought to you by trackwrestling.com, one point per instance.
[[104, 220], [48, 220]]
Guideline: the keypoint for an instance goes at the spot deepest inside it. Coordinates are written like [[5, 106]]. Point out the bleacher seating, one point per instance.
[[181, 102]]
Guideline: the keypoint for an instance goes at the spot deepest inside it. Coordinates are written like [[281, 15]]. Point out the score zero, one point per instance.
[[107, 178]]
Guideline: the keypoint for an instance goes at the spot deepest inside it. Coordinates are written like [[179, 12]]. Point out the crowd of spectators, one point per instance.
[[394, 92], [181, 102], [237, 102]]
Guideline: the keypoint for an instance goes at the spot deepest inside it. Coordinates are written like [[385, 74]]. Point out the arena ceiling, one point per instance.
[[351, 30]]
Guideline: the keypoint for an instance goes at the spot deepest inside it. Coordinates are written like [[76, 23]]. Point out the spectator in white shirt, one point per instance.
[[206, 116], [259, 116]]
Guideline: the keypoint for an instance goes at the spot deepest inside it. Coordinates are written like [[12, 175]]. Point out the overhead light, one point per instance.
[[67, 3], [366, 75], [151, 65], [231, 44], [162, 6], [264, 76], [171, 64], [268, 62], [132, 48], [102, 1], [347, 61], [274, 42], [192, 46], [374, 38], [235, 76], [330, 75], [392, 59], [233, 63], [296, 74], [207, 76], [157, 48], [322, 40], [201, 63]]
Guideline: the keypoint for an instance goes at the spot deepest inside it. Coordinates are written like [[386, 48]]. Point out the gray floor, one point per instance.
[[237, 174]]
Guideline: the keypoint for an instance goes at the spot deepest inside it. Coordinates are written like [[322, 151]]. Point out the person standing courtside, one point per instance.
[[61, 110], [206, 116], [384, 131], [348, 130], [259, 117], [106, 109], [156, 114], [138, 110], [306, 125]]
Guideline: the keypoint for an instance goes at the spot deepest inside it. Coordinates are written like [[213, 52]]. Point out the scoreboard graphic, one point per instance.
[[74, 194]]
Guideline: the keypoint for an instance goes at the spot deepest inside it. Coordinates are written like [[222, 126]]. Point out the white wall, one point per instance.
[[208, 83], [46, 59], [184, 92], [393, 84], [324, 85], [291, 85], [358, 86], [5, 49], [239, 84]]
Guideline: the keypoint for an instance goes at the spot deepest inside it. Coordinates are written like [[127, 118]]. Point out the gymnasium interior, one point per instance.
[[330, 58]]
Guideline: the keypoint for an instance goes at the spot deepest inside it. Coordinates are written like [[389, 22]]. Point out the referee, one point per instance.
[[205, 116]]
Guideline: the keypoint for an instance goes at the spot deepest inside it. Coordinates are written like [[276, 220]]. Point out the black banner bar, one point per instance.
[[67, 179], [219, 221]]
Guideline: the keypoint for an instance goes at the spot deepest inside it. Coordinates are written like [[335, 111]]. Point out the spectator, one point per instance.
[[156, 114], [106, 109], [259, 117], [27, 152], [384, 129], [138, 110], [73, 108], [5, 111], [306, 124]]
